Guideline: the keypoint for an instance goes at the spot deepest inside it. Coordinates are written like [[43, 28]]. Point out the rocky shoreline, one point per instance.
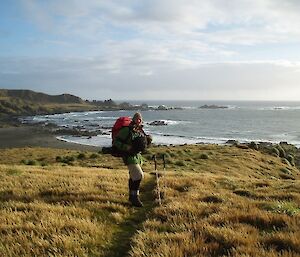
[[13, 133]]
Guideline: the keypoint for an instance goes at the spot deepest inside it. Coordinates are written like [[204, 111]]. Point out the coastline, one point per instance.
[[16, 133], [24, 135], [36, 136]]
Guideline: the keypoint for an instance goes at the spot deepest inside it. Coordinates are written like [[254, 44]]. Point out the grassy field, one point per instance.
[[216, 201]]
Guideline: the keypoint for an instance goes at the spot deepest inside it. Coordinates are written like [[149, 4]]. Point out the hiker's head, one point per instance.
[[137, 118]]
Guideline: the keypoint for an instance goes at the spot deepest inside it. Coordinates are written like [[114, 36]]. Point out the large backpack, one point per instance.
[[138, 143], [120, 123]]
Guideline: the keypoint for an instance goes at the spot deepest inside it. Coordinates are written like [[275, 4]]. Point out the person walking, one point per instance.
[[131, 141]]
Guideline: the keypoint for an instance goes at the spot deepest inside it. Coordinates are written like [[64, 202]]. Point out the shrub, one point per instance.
[[167, 155], [188, 151], [282, 153], [285, 171], [275, 151], [169, 161], [24, 162], [286, 176], [285, 161], [81, 156], [180, 163], [253, 145], [203, 156], [93, 156], [160, 155], [242, 146], [173, 154], [288, 148], [58, 158], [148, 157], [32, 162], [291, 159], [68, 159]]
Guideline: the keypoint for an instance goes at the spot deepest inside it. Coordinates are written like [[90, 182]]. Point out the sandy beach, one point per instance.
[[36, 136]]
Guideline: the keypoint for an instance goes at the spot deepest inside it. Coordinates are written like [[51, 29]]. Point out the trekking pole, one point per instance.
[[157, 178]]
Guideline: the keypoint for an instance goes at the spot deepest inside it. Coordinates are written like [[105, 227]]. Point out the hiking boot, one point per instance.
[[131, 197], [134, 193], [135, 201]]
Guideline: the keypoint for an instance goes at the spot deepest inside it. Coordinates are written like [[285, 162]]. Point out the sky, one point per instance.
[[152, 49]]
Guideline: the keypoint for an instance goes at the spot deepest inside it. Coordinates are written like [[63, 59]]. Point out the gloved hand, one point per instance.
[[149, 140], [139, 144]]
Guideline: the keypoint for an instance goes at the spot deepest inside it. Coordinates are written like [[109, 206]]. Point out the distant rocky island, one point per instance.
[[213, 106], [158, 123]]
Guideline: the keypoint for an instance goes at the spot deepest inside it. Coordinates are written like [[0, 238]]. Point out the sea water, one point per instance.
[[242, 121]]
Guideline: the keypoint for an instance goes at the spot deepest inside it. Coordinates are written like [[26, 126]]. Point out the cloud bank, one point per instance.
[[137, 49]]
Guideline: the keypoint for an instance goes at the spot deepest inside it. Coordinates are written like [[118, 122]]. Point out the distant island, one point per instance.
[[213, 106]]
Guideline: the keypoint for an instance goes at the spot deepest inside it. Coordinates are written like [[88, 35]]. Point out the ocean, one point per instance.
[[244, 121]]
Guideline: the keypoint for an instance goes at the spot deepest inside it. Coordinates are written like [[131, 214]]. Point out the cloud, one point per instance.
[[166, 17], [176, 32], [235, 80], [213, 49]]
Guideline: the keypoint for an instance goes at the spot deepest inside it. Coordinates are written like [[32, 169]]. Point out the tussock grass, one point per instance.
[[235, 203], [61, 211]]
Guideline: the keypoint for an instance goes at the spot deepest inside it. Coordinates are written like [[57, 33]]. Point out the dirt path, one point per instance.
[[121, 244]]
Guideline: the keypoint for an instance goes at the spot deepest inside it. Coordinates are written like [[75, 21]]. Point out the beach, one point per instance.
[[36, 136]]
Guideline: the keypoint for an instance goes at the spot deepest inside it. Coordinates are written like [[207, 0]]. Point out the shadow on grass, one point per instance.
[[121, 243], [8, 195]]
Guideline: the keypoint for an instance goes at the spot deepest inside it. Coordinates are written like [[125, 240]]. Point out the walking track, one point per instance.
[[121, 244]]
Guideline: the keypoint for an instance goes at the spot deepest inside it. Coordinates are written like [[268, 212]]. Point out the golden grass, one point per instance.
[[60, 211], [233, 203], [47, 156]]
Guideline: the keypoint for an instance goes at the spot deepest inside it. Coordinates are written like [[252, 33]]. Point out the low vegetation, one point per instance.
[[216, 201]]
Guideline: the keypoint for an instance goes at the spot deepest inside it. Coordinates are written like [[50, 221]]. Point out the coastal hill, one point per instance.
[[32, 96], [28, 102]]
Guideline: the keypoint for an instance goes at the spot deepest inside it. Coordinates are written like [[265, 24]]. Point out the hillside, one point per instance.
[[29, 95], [216, 201], [27, 102]]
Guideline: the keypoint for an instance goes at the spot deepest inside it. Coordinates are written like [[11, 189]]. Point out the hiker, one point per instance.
[[132, 140]]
